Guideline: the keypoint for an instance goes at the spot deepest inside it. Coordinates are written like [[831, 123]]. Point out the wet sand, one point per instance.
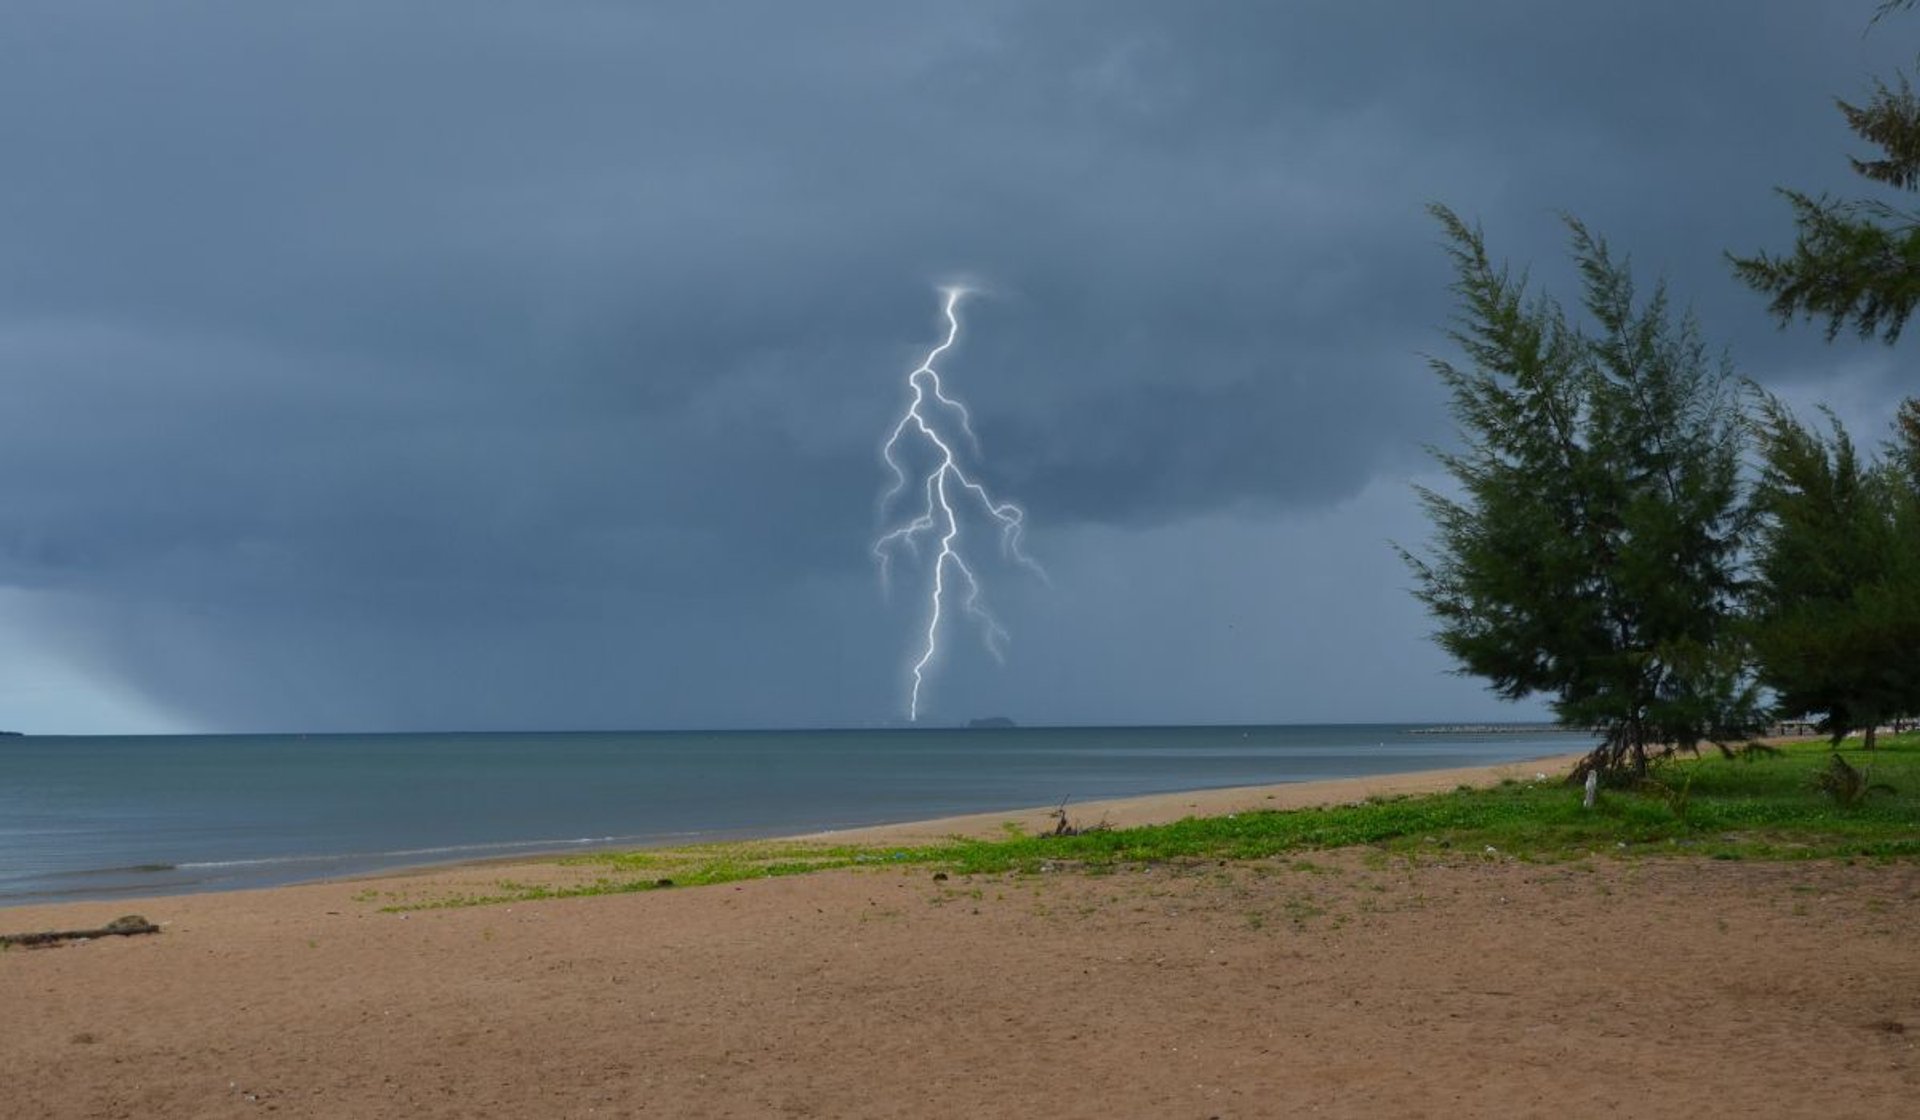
[[1346, 983]]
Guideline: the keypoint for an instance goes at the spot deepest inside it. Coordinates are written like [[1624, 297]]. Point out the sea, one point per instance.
[[107, 817]]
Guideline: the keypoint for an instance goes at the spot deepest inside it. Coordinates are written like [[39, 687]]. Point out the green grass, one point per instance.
[[695, 865], [1766, 808]]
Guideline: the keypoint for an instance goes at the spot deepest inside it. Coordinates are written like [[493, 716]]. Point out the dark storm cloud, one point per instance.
[[523, 365]]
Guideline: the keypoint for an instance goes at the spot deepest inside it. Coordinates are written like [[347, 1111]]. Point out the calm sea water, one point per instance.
[[100, 817]]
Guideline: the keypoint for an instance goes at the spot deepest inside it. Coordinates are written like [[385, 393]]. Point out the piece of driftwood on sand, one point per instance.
[[128, 926]]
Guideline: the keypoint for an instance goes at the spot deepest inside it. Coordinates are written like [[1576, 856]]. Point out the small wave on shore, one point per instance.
[[225, 874]]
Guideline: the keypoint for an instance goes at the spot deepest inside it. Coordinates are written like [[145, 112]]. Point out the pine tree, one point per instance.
[[1836, 608], [1836, 598], [1591, 553], [1855, 260]]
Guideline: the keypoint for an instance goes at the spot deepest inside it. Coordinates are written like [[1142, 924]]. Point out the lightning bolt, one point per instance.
[[945, 483]]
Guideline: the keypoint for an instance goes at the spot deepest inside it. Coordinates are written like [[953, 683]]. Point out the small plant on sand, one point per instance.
[[1064, 827], [1301, 909], [1846, 784]]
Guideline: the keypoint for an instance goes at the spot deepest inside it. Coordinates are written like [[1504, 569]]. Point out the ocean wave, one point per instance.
[[92, 872], [134, 878], [407, 853]]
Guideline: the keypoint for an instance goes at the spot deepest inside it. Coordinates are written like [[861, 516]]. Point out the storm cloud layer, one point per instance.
[[525, 365]]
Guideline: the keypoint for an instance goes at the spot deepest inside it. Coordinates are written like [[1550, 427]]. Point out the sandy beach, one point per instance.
[[1343, 983]]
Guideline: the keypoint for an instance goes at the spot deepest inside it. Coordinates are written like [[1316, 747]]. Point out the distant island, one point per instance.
[[986, 723]]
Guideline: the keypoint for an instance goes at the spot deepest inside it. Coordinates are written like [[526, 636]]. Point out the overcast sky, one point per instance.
[[525, 365]]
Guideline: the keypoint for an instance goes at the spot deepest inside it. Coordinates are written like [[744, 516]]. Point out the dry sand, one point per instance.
[[1346, 984]]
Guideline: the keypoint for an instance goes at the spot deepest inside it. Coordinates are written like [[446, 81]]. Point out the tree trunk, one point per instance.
[[1621, 752], [1871, 731]]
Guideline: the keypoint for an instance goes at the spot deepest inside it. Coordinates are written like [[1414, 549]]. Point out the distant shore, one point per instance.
[[1495, 729]]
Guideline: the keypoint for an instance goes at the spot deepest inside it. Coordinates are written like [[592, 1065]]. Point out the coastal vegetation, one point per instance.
[[1835, 605], [1854, 262], [1591, 552], [1805, 801], [1624, 537], [1669, 561]]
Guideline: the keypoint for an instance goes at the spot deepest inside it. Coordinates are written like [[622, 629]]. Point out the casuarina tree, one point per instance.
[[1587, 550], [1836, 601], [1855, 262], [1836, 593]]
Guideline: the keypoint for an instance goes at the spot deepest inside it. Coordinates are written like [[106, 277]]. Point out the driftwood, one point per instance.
[[1848, 785], [120, 927], [1064, 827]]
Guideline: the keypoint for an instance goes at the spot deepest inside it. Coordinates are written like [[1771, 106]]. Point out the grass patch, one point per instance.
[[1756, 807], [696, 865]]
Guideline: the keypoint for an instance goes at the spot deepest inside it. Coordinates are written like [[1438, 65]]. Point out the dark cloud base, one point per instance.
[[431, 367]]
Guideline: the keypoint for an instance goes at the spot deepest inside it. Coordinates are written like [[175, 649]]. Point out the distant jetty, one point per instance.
[[990, 723], [1498, 729]]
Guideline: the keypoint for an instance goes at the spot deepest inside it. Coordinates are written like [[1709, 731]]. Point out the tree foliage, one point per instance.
[[1906, 445], [1836, 603], [1591, 553], [1836, 596], [1855, 261]]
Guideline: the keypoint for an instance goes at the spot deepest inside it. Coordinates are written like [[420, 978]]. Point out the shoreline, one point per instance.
[[1125, 812], [1165, 808], [1117, 812], [133, 823]]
